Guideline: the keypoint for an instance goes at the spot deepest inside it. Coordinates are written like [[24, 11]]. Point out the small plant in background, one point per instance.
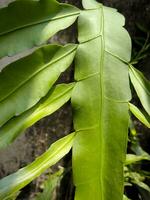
[[143, 45], [137, 174], [136, 170], [50, 185], [99, 95]]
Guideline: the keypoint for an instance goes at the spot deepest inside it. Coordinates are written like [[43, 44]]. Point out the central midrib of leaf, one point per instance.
[[101, 97], [39, 22]]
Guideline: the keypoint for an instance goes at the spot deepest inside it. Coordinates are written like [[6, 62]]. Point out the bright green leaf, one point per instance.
[[143, 185], [57, 97], [100, 101], [24, 82], [142, 116], [14, 182], [142, 87], [125, 197], [132, 159], [25, 24]]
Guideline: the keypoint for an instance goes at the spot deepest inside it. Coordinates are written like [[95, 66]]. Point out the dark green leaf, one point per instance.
[[142, 87], [57, 97], [25, 24], [24, 82]]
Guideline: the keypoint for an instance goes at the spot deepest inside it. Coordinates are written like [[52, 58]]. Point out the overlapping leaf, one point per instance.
[[24, 82], [142, 87], [142, 116], [25, 24], [49, 104], [14, 182]]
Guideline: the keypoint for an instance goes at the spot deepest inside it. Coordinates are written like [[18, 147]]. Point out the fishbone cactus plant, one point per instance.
[[99, 96]]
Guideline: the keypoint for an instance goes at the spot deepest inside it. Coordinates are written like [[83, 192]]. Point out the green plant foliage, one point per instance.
[[142, 116], [14, 182], [137, 179], [135, 175], [100, 96], [50, 185], [57, 97], [25, 24], [131, 158], [143, 43], [100, 101], [30, 78], [142, 87]]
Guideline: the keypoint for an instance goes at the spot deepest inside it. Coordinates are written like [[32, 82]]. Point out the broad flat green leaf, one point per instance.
[[142, 87], [132, 159], [24, 82], [57, 97], [14, 182], [100, 101], [142, 116], [25, 24]]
